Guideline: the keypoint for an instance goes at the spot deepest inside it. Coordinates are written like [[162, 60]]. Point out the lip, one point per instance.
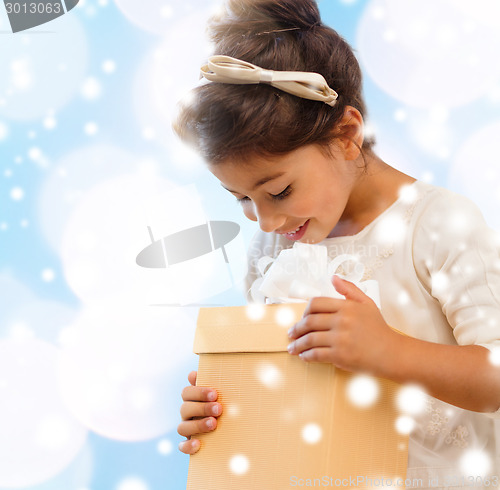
[[294, 236]]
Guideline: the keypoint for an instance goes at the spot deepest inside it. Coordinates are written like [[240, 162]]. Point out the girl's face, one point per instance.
[[301, 195]]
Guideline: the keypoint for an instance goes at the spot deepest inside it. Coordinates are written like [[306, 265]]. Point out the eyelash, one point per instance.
[[283, 194], [278, 197]]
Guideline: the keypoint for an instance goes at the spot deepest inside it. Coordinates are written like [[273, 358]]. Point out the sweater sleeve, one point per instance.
[[457, 260]]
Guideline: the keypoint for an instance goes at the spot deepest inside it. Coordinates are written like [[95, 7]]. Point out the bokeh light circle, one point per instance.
[[42, 72], [164, 78], [363, 391], [411, 400], [40, 437], [239, 464], [269, 375], [425, 60], [475, 462], [161, 16], [285, 316], [405, 424], [25, 314], [121, 368], [109, 228], [473, 174], [312, 433], [71, 178]]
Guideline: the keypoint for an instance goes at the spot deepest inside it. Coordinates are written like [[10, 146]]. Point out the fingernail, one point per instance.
[[195, 444], [210, 423], [290, 347], [290, 332], [212, 396], [216, 409]]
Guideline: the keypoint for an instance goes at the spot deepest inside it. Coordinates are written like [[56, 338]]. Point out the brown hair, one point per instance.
[[225, 121]]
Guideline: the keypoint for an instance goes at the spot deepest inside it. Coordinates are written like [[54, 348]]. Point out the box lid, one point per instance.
[[246, 328]]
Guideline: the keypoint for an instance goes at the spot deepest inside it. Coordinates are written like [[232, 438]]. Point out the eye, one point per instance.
[[286, 192], [243, 200]]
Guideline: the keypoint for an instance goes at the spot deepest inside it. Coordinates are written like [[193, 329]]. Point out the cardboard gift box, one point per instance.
[[286, 422]]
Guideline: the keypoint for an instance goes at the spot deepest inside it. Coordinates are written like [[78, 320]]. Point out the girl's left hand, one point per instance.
[[350, 333]]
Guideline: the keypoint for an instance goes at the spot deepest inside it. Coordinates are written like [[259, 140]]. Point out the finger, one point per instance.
[[323, 304], [200, 409], [189, 428], [191, 446], [311, 323], [310, 341], [198, 394], [349, 290], [192, 377], [318, 354]]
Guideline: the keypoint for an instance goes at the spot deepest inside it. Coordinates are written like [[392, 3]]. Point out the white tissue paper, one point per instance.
[[305, 271]]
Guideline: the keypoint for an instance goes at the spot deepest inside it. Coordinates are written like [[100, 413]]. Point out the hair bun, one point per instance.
[[299, 14], [264, 15]]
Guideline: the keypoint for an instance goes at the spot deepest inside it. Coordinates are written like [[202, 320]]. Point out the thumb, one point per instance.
[[192, 377], [349, 290]]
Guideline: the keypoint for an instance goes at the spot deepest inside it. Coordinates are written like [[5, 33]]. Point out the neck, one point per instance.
[[375, 187]]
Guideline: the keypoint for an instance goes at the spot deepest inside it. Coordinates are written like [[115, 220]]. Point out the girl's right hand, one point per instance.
[[198, 412]]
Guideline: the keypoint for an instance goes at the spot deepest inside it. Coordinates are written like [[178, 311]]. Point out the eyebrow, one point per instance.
[[262, 181]]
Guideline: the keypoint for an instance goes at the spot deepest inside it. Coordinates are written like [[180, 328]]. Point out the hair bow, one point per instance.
[[308, 85]]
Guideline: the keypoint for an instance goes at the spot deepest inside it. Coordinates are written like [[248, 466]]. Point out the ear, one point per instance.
[[349, 133]]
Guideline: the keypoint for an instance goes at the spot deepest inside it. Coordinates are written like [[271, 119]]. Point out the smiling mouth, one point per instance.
[[297, 233], [290, 232]]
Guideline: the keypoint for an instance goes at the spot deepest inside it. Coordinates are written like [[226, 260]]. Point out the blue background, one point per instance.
[[25, 252]]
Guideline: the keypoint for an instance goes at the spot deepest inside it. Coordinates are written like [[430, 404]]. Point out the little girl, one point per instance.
[[280, 123]]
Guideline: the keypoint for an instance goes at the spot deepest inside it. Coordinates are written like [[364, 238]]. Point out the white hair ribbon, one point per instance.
[[308, 85]]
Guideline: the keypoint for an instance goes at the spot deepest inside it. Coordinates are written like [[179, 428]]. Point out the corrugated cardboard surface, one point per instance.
[[286, 422]]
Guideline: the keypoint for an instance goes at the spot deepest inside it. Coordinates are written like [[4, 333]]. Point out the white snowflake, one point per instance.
[[411, 400], [255, 311], [165, 447], [132, 483], [17, 194], [34, 153], [494, 356], [108, 66], [48, 275], [405, 424], [440, 283], [285, 316], [4, 131], [239, 464], [312, 433], [91, 128], [49, 122], [363, 391], [400, 115], [91, 88], [269, 375], [475, 463]]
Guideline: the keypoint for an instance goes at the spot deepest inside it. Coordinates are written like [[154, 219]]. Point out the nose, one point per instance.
[[269, 219]]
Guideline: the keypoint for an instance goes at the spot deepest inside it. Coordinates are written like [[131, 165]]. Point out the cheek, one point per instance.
[[306, 207]]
